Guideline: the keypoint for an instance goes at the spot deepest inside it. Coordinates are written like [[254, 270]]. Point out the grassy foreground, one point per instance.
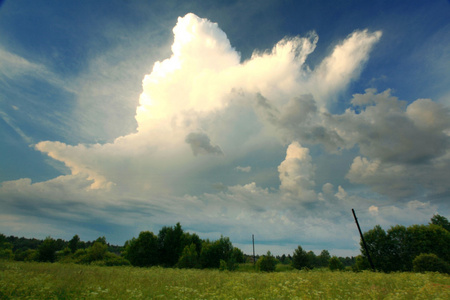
[[20, 280]]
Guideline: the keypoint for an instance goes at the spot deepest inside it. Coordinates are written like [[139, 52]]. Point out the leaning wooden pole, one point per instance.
[[364, 242], [254, 257]]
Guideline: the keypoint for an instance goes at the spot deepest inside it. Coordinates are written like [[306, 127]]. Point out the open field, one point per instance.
[[67, 281]]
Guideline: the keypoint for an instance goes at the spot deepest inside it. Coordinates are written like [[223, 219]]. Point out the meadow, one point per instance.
[[21, 280]]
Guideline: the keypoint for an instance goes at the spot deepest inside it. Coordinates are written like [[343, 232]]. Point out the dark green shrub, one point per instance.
[[361, 264], [266, 263], [223, 265], [27, 255], [428, 262], [112, 259], [97, 251], [231, 264], [65, 255], [79, 253], [6, 254], [335, 264]]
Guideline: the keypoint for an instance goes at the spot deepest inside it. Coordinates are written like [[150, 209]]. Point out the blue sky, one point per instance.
[[272, 118]]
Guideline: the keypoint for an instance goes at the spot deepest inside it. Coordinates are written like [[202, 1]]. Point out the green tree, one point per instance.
[[224, 248], [47, 250], [207, 255], [60, 244], [324, 258], [189, 257], [299, 258], [429, 239], [266, 263], [101, 240], [188, 239], [335, 264], [312, 260], [213, 252], [73, 243], [378, 246], [97, 251], [347, 261], [399, 253], [143, 251], [440, 221], [238, 255], [170, 245]]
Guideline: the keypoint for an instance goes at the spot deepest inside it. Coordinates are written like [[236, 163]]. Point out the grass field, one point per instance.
[[67, 281]]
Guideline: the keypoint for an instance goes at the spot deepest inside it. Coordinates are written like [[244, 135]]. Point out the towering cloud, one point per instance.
[[189, 99], [203, 112], [297, 173]]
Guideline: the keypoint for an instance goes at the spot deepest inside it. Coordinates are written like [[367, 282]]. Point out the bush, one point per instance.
[[27, 255], [97, 251], [97, 255], [430, 263], [267, 263], [79, 253], [112, 259], [64, 255], [335, 264], [6, 254], [284, 268], [223, 265], [361, 264], [231, 264]]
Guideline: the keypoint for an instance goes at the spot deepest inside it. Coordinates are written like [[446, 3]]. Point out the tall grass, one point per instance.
[[20, 280]]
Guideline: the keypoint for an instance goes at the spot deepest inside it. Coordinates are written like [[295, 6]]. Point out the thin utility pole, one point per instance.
[[254, 257], [364, 242]]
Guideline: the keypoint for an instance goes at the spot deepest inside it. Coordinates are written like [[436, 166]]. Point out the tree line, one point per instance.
[[172, 247], [51, 250], [413, 248], [418, 248]]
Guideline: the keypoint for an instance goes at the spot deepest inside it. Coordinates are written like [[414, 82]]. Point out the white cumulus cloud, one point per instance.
[[297, 173], [203, 111]]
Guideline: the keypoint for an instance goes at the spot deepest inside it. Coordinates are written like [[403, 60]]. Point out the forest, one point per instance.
[[416, 248]]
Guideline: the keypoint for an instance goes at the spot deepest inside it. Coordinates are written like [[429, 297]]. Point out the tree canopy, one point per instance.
[[396, 249]]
